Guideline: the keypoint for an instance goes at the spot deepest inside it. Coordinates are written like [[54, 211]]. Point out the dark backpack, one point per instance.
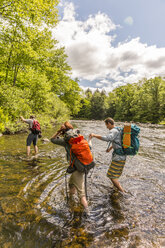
[[135, 144], [36, 129]]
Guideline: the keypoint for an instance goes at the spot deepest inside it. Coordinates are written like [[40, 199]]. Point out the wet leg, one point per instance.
[[28, 151], [117, 184], [36, 149], [72, 190], [84, 202]]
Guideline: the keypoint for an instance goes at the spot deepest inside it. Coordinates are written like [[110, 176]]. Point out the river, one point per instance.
[[33, 208]]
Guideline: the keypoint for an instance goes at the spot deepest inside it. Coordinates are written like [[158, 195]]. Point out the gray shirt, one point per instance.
[[30, 122], [66, 145], [114, 138]]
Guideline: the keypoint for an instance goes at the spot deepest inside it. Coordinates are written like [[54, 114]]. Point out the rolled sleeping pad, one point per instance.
[[127, 135]]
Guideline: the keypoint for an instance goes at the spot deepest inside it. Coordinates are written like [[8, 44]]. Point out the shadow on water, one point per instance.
[[33, 208]]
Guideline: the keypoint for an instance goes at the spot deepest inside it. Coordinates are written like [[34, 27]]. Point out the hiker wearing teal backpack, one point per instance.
[[115, 139]]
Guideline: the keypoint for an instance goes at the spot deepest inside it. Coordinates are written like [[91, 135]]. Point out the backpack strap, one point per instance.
[[119, 151], [119, 130], [34, 122]]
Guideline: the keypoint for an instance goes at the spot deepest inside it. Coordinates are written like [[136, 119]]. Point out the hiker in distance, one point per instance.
[[118, 161], [76, 146], [34, 128]]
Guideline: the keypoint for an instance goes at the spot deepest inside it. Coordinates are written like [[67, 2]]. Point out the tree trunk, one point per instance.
[[15, 74]]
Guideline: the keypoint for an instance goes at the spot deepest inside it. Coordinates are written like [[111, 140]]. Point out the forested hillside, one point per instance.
[[140, 102]]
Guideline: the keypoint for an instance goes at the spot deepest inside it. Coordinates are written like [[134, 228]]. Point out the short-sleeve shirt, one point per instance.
[[30, 122], [114, 138]]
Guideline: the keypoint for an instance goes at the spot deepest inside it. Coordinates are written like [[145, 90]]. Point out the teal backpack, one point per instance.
[[134, 148]]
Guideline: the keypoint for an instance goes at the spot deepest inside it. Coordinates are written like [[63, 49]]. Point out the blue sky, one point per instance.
[[113, 42], [148, 17]]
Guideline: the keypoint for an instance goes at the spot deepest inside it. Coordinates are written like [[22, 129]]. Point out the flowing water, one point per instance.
[[33, 208]]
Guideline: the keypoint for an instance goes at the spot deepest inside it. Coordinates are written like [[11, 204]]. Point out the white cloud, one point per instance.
[[128, 20], [99, 84], [93, 57], [69, 12]]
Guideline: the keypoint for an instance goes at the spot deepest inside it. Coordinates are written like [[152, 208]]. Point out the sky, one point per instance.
[[110, 43]]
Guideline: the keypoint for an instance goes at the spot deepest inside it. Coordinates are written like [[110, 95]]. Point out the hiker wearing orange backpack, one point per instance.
[[79, 157], [35, 131], [118, 161]]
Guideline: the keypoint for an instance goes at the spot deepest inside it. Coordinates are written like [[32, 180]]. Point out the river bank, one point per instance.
[[22, 128]]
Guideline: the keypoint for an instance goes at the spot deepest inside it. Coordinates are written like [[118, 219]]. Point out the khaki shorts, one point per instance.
[[77, 180], [115, 169]]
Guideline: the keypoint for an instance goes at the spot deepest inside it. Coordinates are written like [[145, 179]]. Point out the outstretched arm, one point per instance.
[[22, 119], [55, 135], [104, 138], [57, 141], [95, 136]]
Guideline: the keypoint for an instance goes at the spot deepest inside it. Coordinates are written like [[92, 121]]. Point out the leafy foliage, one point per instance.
[[140, 102], [34, 74]]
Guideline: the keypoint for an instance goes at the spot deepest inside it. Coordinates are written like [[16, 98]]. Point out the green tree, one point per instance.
[[35, 12], [71, 96], [98, 108], [162, 100], [123, 99], [35, 76], [146, 102], [111, 105]]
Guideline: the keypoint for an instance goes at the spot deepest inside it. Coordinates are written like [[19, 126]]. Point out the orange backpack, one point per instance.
[[79, 148]]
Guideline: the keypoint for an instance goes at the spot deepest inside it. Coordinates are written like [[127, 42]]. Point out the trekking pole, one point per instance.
[[66, 188], [91, 173], [86, 184]]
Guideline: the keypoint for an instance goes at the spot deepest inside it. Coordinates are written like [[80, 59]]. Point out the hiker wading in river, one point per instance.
[[33, 136], [70, 138], [118, 161]]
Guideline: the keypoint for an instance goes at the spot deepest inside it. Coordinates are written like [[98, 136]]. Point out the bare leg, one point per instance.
[[117, 184], [36, 149], [28, 151], [84, 202], [72, 190]]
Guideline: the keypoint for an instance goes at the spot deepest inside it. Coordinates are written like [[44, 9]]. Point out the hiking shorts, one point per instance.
[[115, 169], [32, 137], [77, 180]]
